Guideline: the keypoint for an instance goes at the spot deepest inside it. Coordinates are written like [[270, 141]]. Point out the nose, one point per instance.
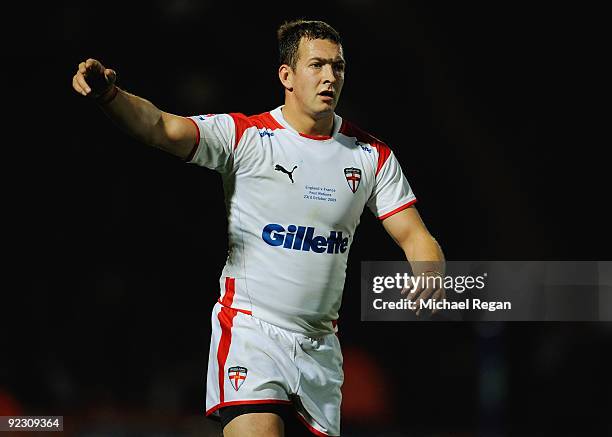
[[329, 75]]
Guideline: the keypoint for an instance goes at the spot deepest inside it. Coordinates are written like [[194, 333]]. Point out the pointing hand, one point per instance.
[[92, 79]]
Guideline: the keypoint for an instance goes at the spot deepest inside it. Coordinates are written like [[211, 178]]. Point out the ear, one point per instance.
[[285, 74]]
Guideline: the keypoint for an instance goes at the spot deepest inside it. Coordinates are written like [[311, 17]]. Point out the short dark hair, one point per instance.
[[290, 34]]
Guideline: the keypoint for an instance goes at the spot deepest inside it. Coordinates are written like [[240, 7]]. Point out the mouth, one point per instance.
[[328, 94]]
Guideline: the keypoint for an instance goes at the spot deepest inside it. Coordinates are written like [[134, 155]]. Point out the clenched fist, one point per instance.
[[92, 79]]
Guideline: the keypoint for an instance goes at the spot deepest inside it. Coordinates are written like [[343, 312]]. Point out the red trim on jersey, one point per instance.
[[195, 147], [315, 137], [350, 130], [383, 153], [265, 120], [255, 401], [241, 123], [230, 290], [250, 313], [396, 210], [260, 121], [226, 319], [310, 427]]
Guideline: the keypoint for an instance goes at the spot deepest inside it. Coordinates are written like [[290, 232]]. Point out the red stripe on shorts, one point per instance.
[[226, 320]]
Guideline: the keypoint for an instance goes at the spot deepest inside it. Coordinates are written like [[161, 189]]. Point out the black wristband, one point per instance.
[[108, 95]]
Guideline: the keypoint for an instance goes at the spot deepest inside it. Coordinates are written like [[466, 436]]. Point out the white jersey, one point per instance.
[[293, 204]]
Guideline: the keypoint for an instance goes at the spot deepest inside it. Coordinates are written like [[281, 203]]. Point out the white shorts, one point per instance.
[[252, 361]]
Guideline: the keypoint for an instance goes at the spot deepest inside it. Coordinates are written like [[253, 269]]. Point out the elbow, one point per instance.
[[158, 136]]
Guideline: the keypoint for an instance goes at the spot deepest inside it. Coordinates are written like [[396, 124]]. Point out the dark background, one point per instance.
[[115, 248]]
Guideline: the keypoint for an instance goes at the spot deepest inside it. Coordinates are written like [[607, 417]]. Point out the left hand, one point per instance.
[[425, 289]]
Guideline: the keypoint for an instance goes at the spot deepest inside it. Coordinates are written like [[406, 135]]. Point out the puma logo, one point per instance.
[[289, 173]]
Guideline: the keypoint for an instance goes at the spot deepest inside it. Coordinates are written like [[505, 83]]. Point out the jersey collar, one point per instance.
[[278, 116]]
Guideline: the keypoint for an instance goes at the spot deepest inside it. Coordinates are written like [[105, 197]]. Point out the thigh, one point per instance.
[[255, 425]]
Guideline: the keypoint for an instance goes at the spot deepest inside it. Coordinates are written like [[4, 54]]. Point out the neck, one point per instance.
[[308, 124]]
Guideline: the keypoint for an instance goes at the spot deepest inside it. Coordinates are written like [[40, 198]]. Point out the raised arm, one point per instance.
[[137, 116]]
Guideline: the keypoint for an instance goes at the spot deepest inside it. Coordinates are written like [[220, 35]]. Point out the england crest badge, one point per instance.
[[353, 177], [237, 375]]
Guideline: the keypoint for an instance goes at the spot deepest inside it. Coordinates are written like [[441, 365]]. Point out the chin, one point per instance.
[[325, 109]]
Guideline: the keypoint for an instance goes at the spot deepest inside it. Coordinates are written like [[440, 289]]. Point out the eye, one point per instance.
[[339, 67], [316, 65]]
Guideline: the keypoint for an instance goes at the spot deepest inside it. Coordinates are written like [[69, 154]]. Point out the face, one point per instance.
[[318, 76]]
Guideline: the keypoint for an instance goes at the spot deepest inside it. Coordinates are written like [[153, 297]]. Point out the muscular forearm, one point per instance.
[[424, 254], [136, 116]]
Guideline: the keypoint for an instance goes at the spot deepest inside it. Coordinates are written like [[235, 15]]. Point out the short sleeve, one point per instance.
[[216, 141], [392, 192]]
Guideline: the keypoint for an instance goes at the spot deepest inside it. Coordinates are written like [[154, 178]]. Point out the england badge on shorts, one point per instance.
[[237, 375], [353, 177]]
